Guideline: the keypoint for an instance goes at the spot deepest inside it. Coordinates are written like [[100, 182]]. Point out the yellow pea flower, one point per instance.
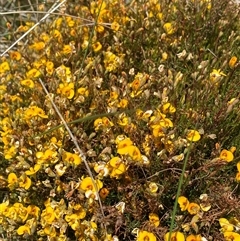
[[154, 219], [226, 226], [38, 46], [15, 55], [71, 158], [23, 230], [25, 182], [28, 83], [96, 47], [12, 180], [4, 67], [144, 235], [193, 208], [192, 237], [183, 203], [169, 28], [175, 236], [193, 135], [33, 170], [226, 155]]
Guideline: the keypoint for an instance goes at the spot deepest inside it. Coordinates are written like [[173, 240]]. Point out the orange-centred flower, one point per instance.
[[231, 236], [96, 47], [193, 135], [174, 236], [183, 203], [71, 158], [192, 237], [25, 182], [193, 208], [28, 83], [146, 236], [154, 219], [226, 155]]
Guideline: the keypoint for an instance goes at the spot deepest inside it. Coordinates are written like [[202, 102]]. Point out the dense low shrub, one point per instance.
[[150, 91]]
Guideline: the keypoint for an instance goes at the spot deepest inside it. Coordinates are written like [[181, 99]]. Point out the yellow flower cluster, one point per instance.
[[229, 228], [121, 75]]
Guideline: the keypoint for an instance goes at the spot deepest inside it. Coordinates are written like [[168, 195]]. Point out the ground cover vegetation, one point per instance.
[[150, 91]]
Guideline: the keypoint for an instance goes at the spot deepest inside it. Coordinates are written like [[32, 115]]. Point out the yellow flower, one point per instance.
[[87, 184], [48, 215], [122, 146], [12, 180], [169, 28], [232, 62], [123, 103], [118, 167], [231, 236], [183, 203], [25, 182], [134, 153], [15, 55], [9, 153], [175, 236], [47, 155], [33, 210], [70, 22], [165, 122], [112, 61], [154, 219], [102, 124], [33, 170], [83, 91], [193, 208], [49, 67], [226, 155], [33, 111], [4, 67], [67, 49], [38, 46], [192, 237], [193, 135], [215, 75], [226, 226], [66, 90], [50, 231], [146, 236], [71, 158], [96, 47], [153, 187], [33, 73], [168, 108], [115, 26], [23, 230], [27, 82], [164, 56]]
